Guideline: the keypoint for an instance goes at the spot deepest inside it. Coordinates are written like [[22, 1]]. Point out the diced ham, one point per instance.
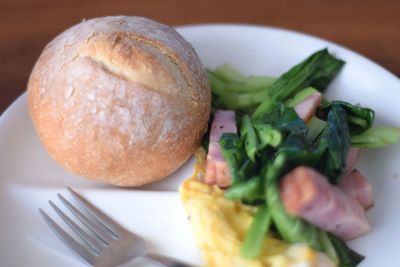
[[351, 160], [217, 171], [308, 194], [306, 108], [224, 122], [357, 186]]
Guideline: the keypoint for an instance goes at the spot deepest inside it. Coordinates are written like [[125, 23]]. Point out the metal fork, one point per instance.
[[106, 243]]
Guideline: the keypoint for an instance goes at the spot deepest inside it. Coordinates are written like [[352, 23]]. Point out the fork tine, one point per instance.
[[99, 232], [109, 223], [71, 243], [93, 243]]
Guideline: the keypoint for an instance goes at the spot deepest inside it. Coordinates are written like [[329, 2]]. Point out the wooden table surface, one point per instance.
[[369, 27]]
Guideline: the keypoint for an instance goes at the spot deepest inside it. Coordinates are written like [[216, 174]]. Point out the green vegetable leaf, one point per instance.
[[267, 105], [228, 73], [327, 70], [298, 152], [238, 92], [359, 119], [248, 191], [233, 151], [376, 137], [250, 137], [235, 81], [217, 85], [315, 128], [247, 169], [216, 102], [256, 83], [267, 135], [241, 101], [337, 136], [252, 243], [317, 70], [347, 257], [300, 96], [235, 91], [283, 118], [327, 245], [288, 121]]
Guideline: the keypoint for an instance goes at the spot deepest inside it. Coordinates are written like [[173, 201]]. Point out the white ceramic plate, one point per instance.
[[29, 177]]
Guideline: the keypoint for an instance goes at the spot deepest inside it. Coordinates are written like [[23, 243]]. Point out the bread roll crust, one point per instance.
[[122, 100]]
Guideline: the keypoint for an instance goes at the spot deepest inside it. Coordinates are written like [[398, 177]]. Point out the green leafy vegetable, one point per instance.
[[252, 243], [347, 257], [289, 122], [337, 136], [267, 106], [267, 135], [229, 74], [317, 70], [216, 102], [298, 152], [234, 91], [283, 118], [315, 128], [241, 101], [359, 119], [237, 92], [376, 137], [248, 191], [233, 152], [247, 169], [217, 85], [300, 96], [234, 95], [327, 246], [236, 82], [254, 83], [250, 137]]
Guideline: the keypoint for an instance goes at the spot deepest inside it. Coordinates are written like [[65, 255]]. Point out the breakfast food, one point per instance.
[[220, 226], [121, 100], [276, 180]]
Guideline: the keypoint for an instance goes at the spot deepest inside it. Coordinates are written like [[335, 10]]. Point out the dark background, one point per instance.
[[371, 28]]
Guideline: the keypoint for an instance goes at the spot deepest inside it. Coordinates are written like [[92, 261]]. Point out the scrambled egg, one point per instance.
[[220, 225]]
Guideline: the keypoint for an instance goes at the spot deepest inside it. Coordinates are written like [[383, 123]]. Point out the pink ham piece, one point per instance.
[[351, 159], [306, 108], [357, 186], [307, 194], [217, 171]]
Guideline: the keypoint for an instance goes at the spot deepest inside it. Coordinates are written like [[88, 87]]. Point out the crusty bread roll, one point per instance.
[[121, 100]]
